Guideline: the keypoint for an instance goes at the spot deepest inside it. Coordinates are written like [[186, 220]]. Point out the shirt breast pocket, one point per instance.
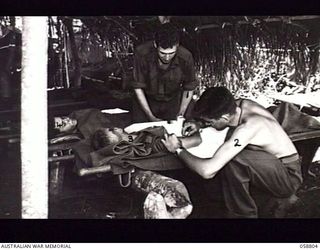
[[172, 80]]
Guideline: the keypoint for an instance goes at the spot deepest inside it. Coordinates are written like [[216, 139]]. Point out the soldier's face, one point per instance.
[[166, 55], [218, 123]]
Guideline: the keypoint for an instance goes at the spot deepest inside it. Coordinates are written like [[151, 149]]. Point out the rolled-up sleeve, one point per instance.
[[139, 80], [190, 81]]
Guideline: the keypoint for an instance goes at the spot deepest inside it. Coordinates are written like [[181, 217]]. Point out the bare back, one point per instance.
[[270, 136]]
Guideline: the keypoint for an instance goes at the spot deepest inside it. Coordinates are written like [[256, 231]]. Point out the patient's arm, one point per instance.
[[191, 141], [187, 142]]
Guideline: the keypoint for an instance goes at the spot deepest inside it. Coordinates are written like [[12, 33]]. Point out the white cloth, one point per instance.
[[114, 111], [174, 126], [211, 141]]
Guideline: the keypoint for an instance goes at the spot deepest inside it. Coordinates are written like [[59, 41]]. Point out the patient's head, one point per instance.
[[107, 136], [64, 124]]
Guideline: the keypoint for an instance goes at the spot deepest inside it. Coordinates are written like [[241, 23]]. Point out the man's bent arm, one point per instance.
[[144, 103], [191, 141], [208, 168], [185, 100]]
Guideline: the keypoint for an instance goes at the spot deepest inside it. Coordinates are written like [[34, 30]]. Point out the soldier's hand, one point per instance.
[[171, 142], [189, 128]]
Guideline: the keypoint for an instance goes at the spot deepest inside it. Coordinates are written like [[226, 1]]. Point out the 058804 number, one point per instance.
[[309, 245]]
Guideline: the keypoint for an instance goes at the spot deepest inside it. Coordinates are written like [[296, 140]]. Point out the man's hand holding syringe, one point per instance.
[[191, 127], [190, 137]]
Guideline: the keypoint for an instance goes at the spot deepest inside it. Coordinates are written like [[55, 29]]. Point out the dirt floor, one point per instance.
[[101, 197], [308, 205]]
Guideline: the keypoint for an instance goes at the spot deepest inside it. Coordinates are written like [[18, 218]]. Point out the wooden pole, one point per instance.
[[76, 81], [34, 149]]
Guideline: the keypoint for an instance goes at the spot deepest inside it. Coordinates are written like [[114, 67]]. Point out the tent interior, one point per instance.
[[268, 59]]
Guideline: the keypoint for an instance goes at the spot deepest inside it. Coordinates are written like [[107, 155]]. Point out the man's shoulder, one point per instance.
[[184, 53], [144, 48], [245, 101], [254, 119], [256, 122]]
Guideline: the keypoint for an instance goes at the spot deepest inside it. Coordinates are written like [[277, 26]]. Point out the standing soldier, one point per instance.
[[164, 77]]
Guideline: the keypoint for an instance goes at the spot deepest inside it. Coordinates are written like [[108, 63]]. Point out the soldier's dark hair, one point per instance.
[[214, 103], [166, 36]]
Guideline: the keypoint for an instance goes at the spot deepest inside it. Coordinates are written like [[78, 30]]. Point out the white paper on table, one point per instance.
[[172, 127], [114, 111], [212, 139]]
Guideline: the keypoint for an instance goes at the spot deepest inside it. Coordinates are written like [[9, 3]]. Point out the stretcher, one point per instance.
[[307, 144], [60, 150]]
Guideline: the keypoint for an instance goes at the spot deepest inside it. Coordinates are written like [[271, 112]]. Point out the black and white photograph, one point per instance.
[[160, 117]]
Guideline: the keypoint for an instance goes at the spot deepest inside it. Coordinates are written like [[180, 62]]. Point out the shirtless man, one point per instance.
[[257, 151]]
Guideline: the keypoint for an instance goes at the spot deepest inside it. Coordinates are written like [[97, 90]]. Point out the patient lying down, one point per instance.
[[108, 136], [166, 197]]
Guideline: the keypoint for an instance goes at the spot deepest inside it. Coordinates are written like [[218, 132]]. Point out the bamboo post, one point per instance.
[[76, 82], [34, 149]]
